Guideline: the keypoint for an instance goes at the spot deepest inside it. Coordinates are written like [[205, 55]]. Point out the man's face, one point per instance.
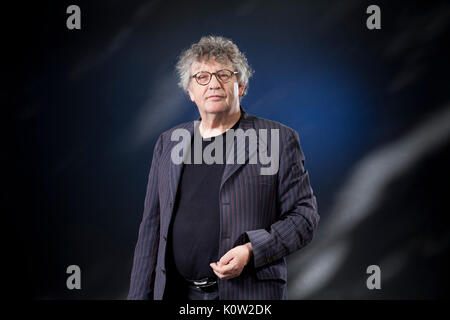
[[215, 97]]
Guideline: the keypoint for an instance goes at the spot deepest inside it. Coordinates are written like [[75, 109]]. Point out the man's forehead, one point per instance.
[[210, 65]]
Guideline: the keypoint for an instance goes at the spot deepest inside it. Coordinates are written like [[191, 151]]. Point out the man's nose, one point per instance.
[[214, 83]]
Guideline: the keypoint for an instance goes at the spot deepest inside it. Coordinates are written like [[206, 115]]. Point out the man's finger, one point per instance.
[[228, 268], [226, 258], [222, 269], [214, 266]]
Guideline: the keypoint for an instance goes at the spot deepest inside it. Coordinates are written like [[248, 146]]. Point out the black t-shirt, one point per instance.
[[195, 229]]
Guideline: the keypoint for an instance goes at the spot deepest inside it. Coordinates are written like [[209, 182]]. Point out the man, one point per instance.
[[222, 230]]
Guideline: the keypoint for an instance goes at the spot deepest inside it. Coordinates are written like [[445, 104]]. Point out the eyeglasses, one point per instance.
[[204, 77]]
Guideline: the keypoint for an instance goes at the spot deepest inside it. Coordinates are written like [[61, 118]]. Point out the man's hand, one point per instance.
[[233, 262]]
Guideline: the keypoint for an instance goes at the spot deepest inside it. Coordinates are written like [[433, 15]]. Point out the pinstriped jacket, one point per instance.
[[276, 213]]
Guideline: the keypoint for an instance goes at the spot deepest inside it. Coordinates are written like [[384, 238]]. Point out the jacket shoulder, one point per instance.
[[262, 123], [165, 136]]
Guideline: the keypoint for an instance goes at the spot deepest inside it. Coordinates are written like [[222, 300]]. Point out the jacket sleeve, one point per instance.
[[297, 207], [145, 253]]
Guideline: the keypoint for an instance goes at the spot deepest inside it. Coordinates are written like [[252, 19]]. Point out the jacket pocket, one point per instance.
[[263, 179], [276, 271]]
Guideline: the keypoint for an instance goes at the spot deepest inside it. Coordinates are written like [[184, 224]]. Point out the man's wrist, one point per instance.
[[249, 247]]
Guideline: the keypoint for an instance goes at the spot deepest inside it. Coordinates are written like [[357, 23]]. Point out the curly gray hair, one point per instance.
[[222, 49]]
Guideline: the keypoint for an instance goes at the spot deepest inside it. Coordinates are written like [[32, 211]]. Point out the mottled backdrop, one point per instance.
[[372, 108]]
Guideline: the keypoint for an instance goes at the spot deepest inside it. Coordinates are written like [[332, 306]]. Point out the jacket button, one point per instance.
[[163, 271], [164, 238]]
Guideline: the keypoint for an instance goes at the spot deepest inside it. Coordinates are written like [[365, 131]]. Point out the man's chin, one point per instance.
[[217, 108]]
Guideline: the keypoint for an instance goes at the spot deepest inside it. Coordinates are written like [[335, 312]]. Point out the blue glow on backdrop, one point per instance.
[[88, 106]]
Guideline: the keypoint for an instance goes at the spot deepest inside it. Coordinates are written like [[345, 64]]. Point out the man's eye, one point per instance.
[[224, 76]]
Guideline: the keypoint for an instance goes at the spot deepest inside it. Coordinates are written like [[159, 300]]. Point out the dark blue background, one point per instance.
[[87, 106]]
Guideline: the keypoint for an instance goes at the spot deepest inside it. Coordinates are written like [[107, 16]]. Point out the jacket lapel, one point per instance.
[[241, 151], [175, 169]]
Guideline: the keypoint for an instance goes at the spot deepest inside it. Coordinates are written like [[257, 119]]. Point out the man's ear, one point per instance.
[[241, 89]]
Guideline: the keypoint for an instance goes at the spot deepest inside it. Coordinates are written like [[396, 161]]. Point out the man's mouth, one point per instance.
[[215, 97]]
